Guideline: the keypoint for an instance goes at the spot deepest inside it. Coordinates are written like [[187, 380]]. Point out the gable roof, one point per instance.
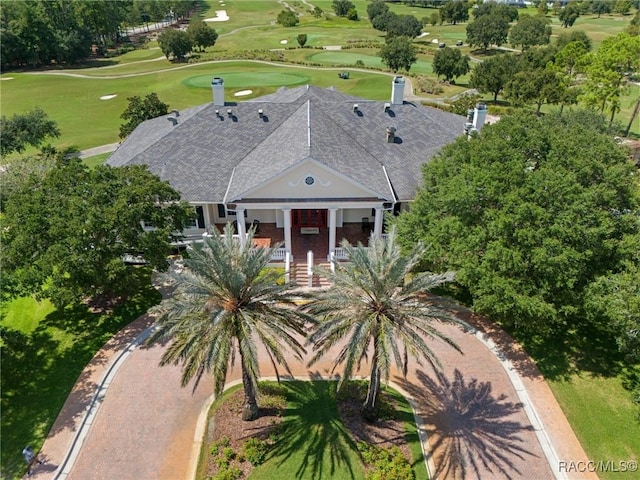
[[213, 153]]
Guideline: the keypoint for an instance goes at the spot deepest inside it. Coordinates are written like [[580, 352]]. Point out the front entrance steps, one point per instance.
[[300, 277]]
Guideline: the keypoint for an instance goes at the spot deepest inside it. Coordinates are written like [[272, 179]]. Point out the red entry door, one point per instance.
[[309, 218]]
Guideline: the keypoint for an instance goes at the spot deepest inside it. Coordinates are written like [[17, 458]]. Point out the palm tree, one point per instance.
[[224, 302], [378, 305]]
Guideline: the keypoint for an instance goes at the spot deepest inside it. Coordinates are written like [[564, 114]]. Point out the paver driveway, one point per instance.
[[144, 425]]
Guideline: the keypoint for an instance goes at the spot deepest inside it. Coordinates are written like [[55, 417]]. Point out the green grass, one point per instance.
[[96, 160], [601, 414], [87, 121], [44, 350], [313, 442]]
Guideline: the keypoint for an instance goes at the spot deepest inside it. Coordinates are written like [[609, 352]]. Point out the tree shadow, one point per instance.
[[46, 369], [472, 434], [313, 426]]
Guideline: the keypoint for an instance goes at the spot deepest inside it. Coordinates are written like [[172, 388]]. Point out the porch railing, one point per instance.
[[340, 253], [278, 254]]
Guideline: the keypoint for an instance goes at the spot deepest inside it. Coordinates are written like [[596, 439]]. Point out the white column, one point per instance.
[[332, 229], [377, 225], [310, 268], [287, 267], [287, 228], [208, 218], [242, 229]]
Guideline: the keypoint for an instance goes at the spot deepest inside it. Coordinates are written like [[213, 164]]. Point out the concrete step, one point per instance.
[[299, 275]]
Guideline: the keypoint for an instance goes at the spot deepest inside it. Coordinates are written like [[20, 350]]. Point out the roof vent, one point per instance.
[[260, 113], [355, 107], [175, 112], [391, 134], [387, 106], [229, 112], [173, 120]]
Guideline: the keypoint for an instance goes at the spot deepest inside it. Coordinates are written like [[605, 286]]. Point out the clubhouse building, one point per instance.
[[305, 166]]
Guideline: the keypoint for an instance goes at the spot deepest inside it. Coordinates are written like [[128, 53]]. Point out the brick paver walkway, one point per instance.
[[144, 426]]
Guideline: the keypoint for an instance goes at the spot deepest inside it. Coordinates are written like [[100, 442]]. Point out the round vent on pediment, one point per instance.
[[309, 180]]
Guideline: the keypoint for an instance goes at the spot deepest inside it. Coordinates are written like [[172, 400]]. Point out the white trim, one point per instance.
[[226, 193], [286, 171], [393, 195], [309, 123]]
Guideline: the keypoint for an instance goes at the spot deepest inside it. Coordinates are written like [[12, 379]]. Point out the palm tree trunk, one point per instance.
[[370, 406], [250, 405]]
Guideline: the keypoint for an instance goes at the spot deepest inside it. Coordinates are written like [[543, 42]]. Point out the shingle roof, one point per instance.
[[199, 154]]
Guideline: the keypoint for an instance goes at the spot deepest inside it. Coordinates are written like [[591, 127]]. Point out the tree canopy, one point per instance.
[[224, 303], [377, 304], [397, 53], [509, 12], [403, 25], [607, 72], [139, 110], [202, 35], [450, 63], [375, 8], [30, 128], [569, 14], [530, 31], [64, 233], [530, 213], [39, 32], [287, 18], [488, 30], [176, 43], [342, 7], [455, 11], [493, 74]]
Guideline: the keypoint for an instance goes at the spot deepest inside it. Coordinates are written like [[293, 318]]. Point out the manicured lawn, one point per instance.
[[602, 415], [87, 121], [312, 442], [96, 160], [43, 352]]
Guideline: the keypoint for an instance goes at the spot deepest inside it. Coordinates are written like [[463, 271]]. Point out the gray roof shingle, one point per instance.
[[199, 153]]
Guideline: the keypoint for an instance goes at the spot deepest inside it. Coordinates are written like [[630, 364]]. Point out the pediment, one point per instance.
[[311, 180]]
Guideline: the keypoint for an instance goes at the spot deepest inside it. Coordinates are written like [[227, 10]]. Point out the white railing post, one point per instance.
[[332, 259], [287, 267], [310, 268]]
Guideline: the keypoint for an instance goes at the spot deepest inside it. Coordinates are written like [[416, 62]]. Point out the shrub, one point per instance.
[[385, 464], [429, 85], [255, 451], [216, 446], [229, 473], [228, 454]]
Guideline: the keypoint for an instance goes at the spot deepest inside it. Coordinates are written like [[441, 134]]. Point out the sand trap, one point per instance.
[[423, 34], [435, 40], [6, 78], [108, 97], [221, 16], [242, 93], [284, 42]]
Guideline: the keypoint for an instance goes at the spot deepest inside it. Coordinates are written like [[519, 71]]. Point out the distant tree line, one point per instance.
[[39, 32], [564, 73]]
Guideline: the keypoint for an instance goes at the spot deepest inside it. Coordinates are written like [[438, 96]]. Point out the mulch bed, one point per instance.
[[227, 422]]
